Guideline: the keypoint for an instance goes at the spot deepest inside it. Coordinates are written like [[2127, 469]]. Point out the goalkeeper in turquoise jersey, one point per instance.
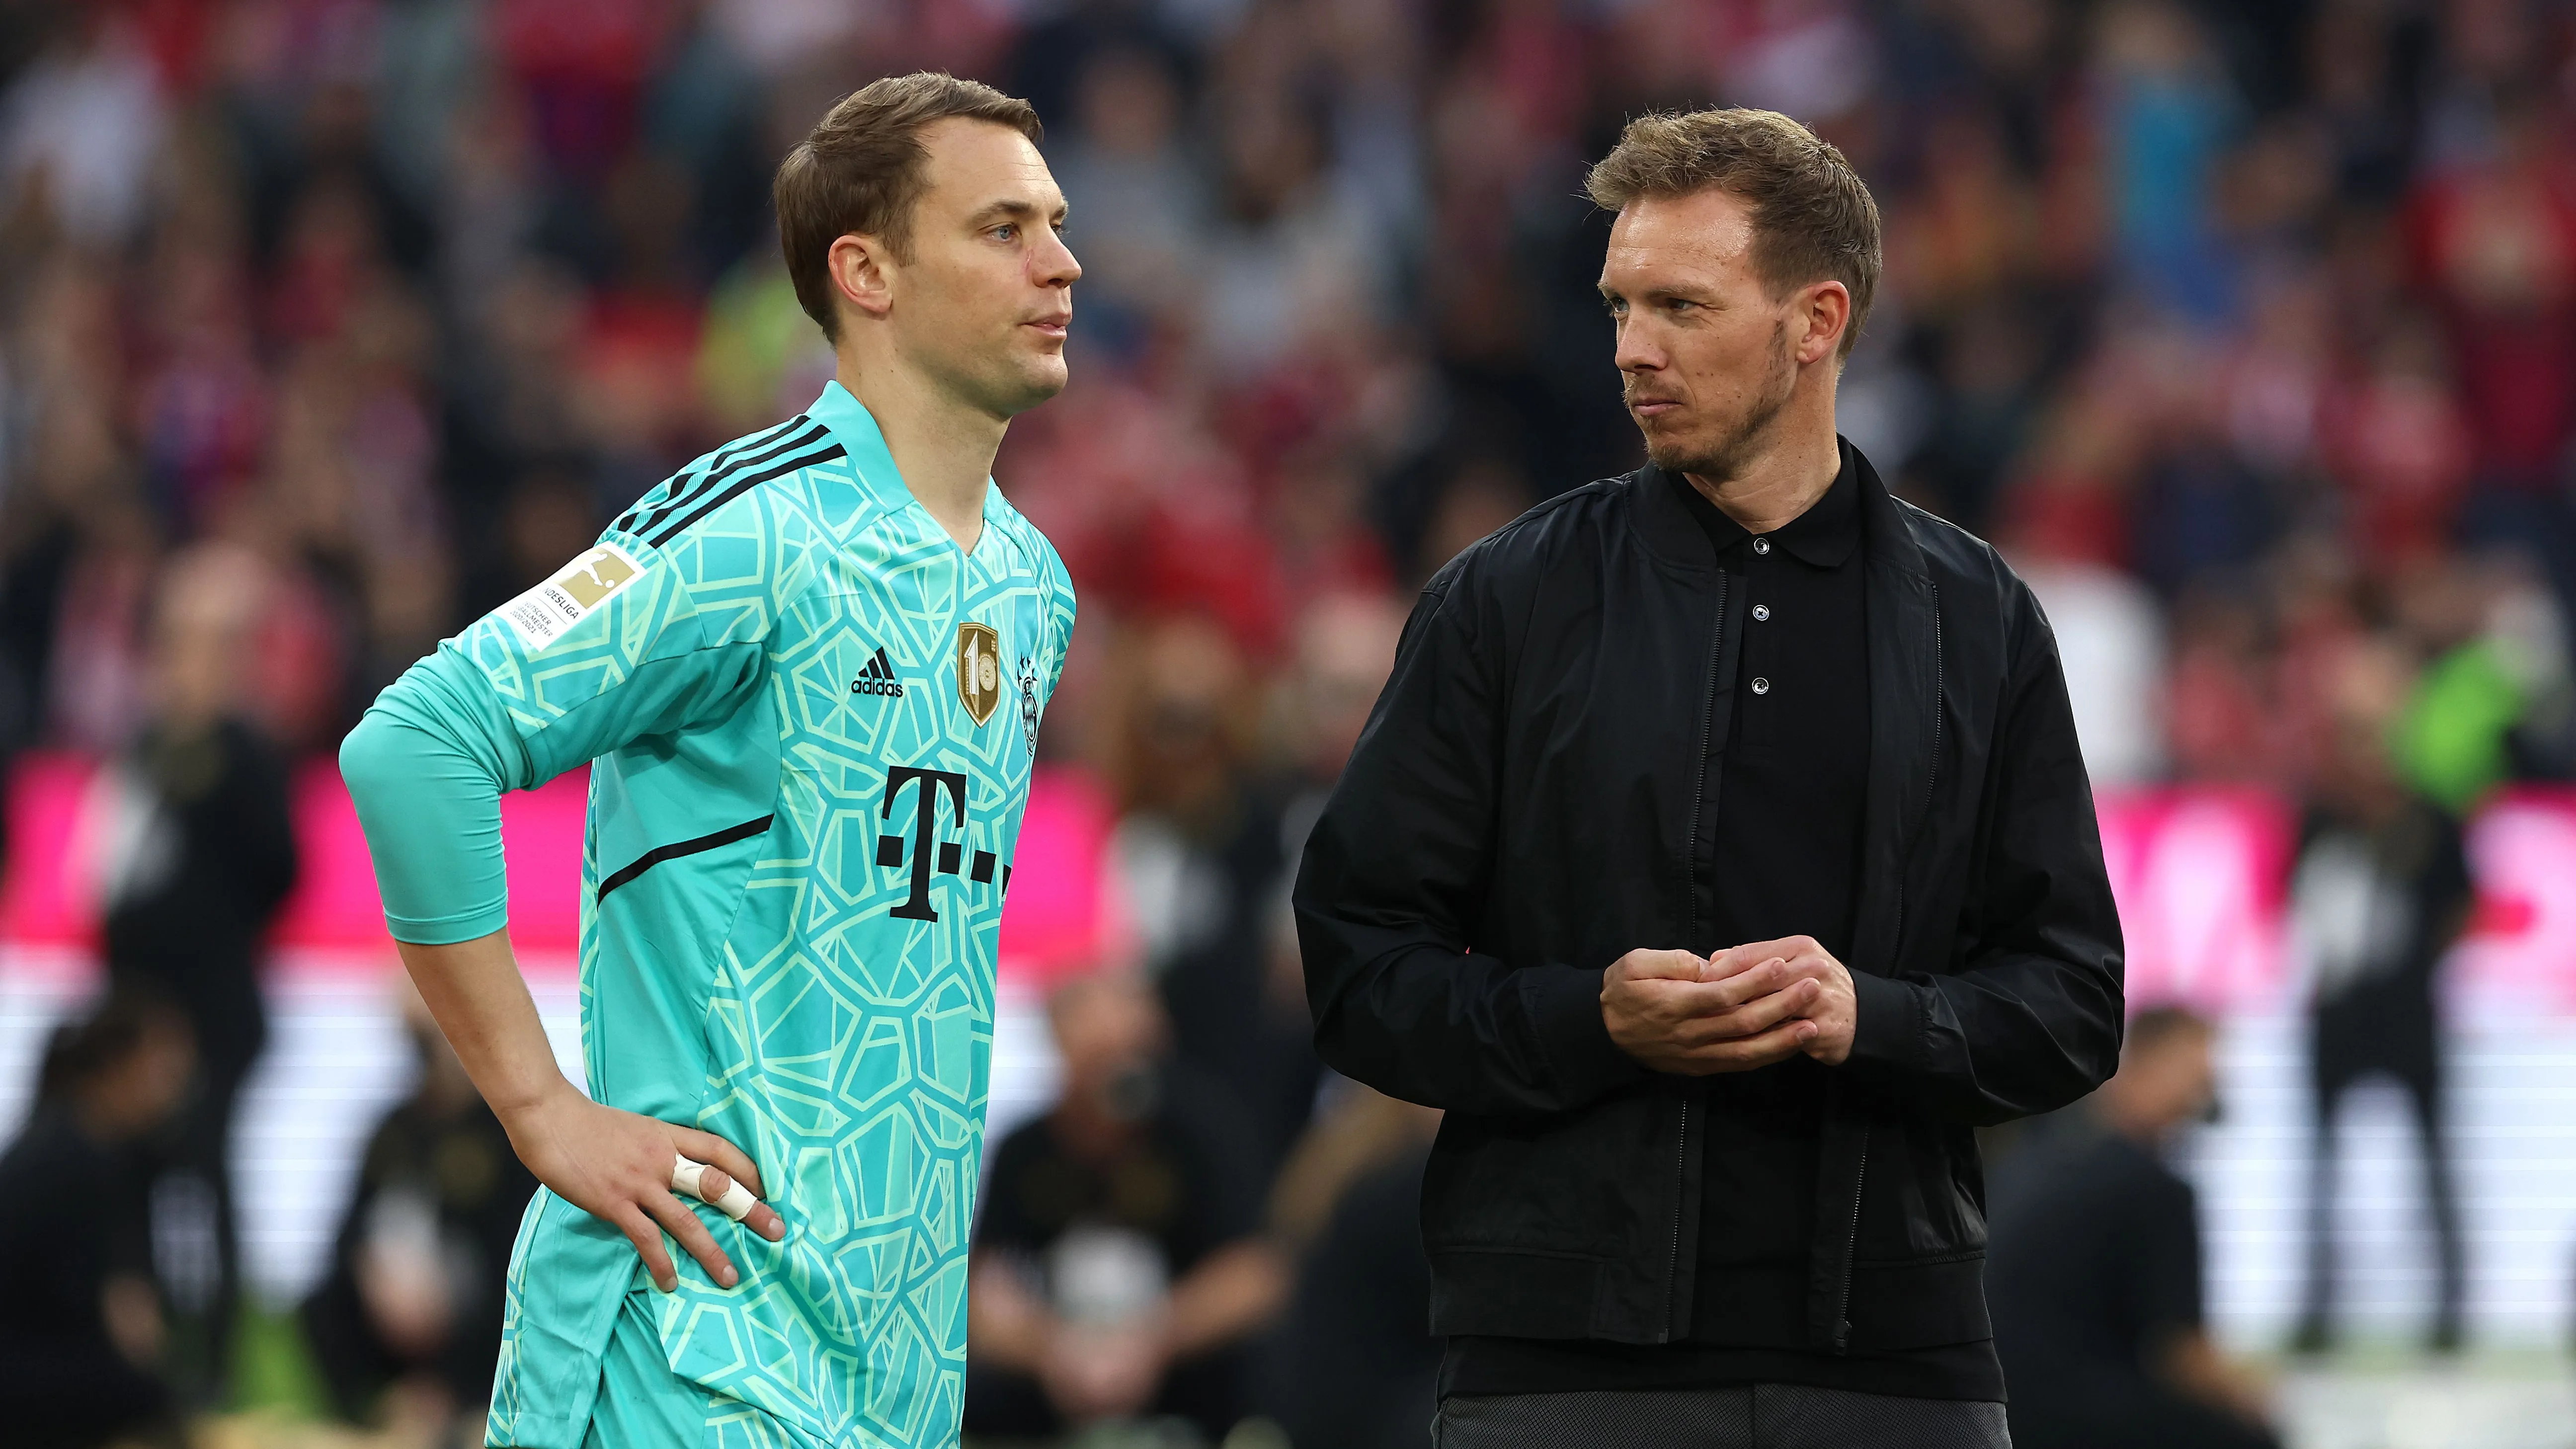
[[808, 672]]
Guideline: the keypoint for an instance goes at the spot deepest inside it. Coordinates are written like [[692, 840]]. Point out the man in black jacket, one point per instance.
[[1719, 856]]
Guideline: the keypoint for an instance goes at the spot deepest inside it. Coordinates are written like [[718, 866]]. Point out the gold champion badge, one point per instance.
[[979, 669]]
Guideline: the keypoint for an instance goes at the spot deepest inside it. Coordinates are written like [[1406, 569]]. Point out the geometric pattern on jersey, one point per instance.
[[808, 836]]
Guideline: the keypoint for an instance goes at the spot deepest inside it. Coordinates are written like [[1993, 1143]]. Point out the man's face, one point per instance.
[[1708, 355], [982, 304]]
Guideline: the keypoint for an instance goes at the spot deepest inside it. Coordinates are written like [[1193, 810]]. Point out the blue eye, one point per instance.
[[1006, 232]]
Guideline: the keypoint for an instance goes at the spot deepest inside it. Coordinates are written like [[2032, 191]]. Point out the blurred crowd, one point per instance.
[[2247, 329]]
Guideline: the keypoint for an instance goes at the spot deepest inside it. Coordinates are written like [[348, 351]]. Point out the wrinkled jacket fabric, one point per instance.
[[1534, 797]]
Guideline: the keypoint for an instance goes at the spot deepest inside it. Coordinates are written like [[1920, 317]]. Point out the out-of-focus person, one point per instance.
[[2493, 701], [195, 852], [1355, 1364], [1344, 649], [1119, 1261], [82, 1330], [2380, 892], [1200, 854], [2111, 636], [407, 1326], [1145, 205], [2094, 1273]]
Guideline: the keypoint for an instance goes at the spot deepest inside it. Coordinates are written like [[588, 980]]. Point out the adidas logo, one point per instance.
[[878, 678]]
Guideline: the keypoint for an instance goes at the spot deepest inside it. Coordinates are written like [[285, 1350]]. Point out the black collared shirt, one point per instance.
[[1788, 791]]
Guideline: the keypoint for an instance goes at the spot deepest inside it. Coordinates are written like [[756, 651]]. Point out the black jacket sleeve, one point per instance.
[[1396, 873], [2030, 1015]]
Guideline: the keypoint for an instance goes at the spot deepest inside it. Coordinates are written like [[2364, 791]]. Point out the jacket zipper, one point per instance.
[[1932, 779], [1690, 929], [1681, 1176], [1851, 1250]]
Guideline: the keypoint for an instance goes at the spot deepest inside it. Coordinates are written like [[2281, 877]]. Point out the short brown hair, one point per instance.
[[860, 170], [1813, 219]]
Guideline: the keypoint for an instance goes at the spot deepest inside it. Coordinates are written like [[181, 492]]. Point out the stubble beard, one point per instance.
[[1726, 456]]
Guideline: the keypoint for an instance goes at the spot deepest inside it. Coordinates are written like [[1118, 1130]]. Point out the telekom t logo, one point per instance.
[[925, 834]]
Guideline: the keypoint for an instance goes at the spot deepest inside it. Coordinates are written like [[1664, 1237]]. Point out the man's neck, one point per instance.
[[943, 447], [1785, 478]]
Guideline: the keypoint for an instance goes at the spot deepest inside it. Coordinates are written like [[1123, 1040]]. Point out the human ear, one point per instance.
[[1828, 313], [861, 273]]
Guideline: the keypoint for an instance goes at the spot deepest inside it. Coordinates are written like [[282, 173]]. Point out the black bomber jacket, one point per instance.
[[1532, 799]]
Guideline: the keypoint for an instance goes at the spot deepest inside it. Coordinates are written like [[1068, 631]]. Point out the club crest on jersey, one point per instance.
[[547, 612], [979, 669], [1029, 705]]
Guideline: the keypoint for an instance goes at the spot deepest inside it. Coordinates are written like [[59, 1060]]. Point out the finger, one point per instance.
[[1675, 1000], [723, 1156], [694, 1239], [1761, 1050], [1661, 966], [738, 1203], [711, 1186], [647, 1239], [1744, 986], [1754, 953], [1753, 1018], [714, 1151]]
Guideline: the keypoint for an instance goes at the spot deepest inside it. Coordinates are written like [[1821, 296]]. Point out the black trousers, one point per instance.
[[2122, 1409], [2348, 1052], [1754, 1416]]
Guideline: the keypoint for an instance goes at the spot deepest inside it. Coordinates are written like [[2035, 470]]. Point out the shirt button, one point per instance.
[[1762, 545], [1761, 612], [1761, 685]]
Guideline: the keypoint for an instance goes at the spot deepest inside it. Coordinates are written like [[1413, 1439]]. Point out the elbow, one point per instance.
[[369, 760], [386, 758], [2097, 1049]]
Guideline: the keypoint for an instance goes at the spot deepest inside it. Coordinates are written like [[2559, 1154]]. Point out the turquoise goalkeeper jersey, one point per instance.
[[811, 718]]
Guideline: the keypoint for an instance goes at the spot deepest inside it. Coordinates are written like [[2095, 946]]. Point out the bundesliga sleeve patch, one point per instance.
[[547, 612]]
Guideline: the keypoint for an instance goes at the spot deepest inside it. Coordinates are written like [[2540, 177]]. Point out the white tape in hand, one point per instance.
[[736, 1202]]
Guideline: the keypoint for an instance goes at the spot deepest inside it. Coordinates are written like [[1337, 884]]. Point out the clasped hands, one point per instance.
[[1742, 1008]]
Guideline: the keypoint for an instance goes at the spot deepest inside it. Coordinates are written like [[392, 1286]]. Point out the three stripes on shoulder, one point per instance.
[[797, 443]]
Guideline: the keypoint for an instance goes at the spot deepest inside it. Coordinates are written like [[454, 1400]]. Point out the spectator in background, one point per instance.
[[1356, 1365], [195, 855], [81, 1326], [2094, 1273], [1119, 1264], [1144, 204], [1200, 853], [2380, 892], [1345, 648], [2112, 637], [2491, 703], [407, 1327]]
